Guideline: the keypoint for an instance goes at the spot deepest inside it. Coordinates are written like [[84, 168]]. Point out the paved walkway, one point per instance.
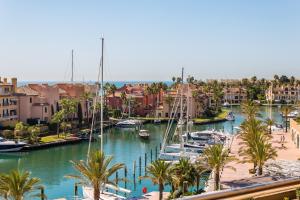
[[288, 152]]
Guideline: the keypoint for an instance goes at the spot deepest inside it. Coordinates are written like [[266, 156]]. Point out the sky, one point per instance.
[[149, 39]]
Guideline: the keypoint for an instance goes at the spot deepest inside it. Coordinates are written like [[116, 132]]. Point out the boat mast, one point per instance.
[[101, 98], [129, 108], [187, 107], [72, 76], [181, 112], [271, 101]]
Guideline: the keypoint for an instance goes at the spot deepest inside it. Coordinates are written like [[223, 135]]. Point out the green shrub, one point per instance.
[[9, 134]]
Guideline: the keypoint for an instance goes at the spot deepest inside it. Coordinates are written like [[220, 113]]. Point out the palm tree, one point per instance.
[[169, 101], [64, 126], [270, 123], [18, 184], [159, 174], [87, 97], [124, 100], [184, 172], [58, 118], [200, 168], [216, 158], [256, 147], [34, 132], [250, 109], [69, 107], [286, 109], [19, 129], [96, 171]]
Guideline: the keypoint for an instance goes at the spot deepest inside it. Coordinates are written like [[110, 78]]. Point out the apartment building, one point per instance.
[[9, 108], [285, 93], [39, 102], [195, 101], [138, 101], [234, 95]]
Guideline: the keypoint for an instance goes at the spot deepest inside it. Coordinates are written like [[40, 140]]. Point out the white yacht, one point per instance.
[[10, 146], [157, 121], [144, 134], [129, 123], [226, 104], [293, 114], [206, 137]]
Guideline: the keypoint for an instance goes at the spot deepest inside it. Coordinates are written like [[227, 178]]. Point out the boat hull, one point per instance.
[[11, 148], [144, 137]]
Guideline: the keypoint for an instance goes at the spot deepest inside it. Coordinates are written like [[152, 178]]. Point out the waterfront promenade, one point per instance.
[[288, 152]]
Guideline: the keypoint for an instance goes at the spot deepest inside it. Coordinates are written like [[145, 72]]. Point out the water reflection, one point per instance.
[[51, 165]]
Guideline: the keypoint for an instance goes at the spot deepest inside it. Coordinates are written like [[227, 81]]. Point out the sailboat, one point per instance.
[[88, 191], [181, 150]]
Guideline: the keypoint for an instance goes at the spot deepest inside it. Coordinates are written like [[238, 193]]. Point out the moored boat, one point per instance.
[[129, 123], [157, 121], [144, 134], [10, 146], [230, 116]]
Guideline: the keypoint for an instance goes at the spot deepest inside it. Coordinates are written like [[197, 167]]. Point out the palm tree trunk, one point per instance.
[[161, 189], [286, 122], [217, 179], [260, 170], [87, 111], [270, 130], [57, 130], [198, 183], [96, 192]]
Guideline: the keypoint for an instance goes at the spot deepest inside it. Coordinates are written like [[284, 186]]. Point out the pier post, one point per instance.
[[117, 180], [151, 155], [140, 165], [134, 167], [159, 146], [145, 163], [125, 174], [42, 193], [76, 190], [156, 153]]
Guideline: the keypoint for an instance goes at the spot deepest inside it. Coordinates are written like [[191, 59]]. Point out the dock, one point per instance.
[[288, 153], [73, 140]]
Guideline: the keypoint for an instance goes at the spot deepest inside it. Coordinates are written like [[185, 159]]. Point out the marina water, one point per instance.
[[51, 165]]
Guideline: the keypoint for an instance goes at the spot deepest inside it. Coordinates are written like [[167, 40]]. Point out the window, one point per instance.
[[46, 109], [30, 100]]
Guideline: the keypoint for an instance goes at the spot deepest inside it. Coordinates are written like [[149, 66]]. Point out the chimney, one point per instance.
[[5, 80], [14, 83]]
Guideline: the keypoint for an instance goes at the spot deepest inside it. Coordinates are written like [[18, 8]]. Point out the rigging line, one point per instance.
[[94, 108], [169, 128], [170, 121]]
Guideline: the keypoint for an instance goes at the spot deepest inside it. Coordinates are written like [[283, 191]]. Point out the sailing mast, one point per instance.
[[72, 75], [95, 102], [187, 107], [101, 98], [181, 113]]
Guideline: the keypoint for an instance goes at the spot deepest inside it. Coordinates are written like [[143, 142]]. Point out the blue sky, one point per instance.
[[149, 40]]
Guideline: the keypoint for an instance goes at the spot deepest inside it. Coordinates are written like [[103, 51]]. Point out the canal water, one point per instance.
[[51, 165]]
